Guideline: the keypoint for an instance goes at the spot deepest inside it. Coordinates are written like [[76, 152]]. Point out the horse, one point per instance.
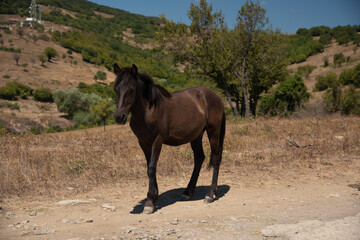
[[159, 117]]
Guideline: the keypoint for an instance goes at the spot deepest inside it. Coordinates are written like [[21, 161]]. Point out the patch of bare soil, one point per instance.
[[241, 212]]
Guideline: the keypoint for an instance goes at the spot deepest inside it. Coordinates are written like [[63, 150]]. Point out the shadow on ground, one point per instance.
[[172, 196]]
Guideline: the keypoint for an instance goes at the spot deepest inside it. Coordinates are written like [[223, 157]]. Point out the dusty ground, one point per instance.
[[242, 212]]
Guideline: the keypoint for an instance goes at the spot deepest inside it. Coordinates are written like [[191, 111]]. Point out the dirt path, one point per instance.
[[242, 212]]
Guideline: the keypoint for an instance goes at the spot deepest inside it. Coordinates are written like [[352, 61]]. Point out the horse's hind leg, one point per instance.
[[199, 157], [216, 153]]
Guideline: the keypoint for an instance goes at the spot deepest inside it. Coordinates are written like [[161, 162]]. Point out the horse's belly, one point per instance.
[[183, 134]]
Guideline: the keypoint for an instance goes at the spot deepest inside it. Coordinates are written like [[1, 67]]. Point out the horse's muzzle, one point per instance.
[[120, 118]]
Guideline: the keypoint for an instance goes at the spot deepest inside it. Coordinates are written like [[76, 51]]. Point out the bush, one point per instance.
[[43, 95], [100, 75], [83, 119], [286, 98], [351, 76], [332, 98], [305, 71], [54, 129], [35, 130], [325, 82], [8, 93], [351, 102], [339, 58], [72, 100]]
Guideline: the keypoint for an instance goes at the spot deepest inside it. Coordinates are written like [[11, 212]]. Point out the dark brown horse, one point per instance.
[[159, 117]]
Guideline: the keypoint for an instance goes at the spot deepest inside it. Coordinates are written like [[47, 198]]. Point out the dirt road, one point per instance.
[[321, 209]]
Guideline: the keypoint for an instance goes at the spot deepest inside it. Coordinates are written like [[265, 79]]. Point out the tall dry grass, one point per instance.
[[254, 149]]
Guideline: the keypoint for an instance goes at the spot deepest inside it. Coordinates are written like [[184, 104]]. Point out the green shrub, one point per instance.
[[100, 75], [7, 76], [325, 82], [50, 53], [339, 58], [72, 100], [351, 102], [83, 119], [35, 130], [8, 93], [288, 96], [351, 76], [333, 98], [13, 106], [326, 62], [305, 71], [54, 129], [43, 95]]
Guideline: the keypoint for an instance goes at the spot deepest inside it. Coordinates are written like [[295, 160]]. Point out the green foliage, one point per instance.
[[100, 75], [288, 96], [50, 53], [301, 46], [104, 110], [332, 98], [305, 71], [35, 130], [72, 100], [351, 102], [14, 89], [326, 62], [54, 129], [83, 119], [43, 95], [325, 39], [351, 76], [339, 58], [325, 82], [42, 59], [345, 34], [15, 50], [12, 106], [104, 91], [7, 76]]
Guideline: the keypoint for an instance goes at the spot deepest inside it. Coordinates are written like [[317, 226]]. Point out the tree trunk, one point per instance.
[[244, 90], [104, 124], [228, 98]]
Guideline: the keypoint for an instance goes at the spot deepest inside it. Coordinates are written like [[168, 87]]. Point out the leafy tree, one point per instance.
[[103, 110], [351, 76], [42, 59], [333, 97], [50, 53], [72, 100], [16, 57], [305, 70]]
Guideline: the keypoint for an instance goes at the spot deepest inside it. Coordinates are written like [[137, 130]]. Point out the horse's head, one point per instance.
[[125, 88]]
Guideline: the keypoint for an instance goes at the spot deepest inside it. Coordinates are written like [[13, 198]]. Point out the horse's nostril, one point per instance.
[[121, 118]]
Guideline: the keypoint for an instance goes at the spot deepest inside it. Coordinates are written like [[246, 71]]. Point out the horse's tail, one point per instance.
[[221, 141]]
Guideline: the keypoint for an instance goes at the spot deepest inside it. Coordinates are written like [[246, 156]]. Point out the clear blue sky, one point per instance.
[[287, 15]]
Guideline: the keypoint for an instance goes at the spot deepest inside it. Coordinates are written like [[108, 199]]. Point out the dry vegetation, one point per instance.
[[256, 152]]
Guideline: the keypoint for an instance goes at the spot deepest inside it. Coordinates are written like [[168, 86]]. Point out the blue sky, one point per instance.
[[287, 15]]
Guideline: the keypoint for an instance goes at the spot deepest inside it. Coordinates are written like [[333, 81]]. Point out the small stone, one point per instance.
[[64, 220], [72, 202], [33, 213], [89, 220], [10, 226], [203, 221], [44, 232], [175, 222], [8, 215], [76, 222], [24, 222], [109, 207]]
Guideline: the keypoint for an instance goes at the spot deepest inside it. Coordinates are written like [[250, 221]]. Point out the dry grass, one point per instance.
[[255, 150]]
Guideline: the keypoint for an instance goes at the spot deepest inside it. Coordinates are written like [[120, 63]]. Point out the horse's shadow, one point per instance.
[[172, 196]]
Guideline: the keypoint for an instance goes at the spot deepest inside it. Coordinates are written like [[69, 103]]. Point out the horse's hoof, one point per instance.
[[208, 199], [148, 209], [185, 197]]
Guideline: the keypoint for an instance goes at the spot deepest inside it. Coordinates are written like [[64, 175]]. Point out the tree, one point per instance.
[[103, 110], [16, 57], [42, 59], [50, 53]]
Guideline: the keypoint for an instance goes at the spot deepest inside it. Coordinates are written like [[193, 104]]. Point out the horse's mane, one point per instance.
[[153, 93]]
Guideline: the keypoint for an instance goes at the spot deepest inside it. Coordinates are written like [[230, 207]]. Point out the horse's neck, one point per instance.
[[139, 107]]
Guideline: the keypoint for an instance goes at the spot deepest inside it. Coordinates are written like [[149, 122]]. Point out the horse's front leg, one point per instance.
[[153, 192]]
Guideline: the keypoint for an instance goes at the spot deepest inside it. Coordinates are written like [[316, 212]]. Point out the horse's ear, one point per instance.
[[116, 69], [134, 70]]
